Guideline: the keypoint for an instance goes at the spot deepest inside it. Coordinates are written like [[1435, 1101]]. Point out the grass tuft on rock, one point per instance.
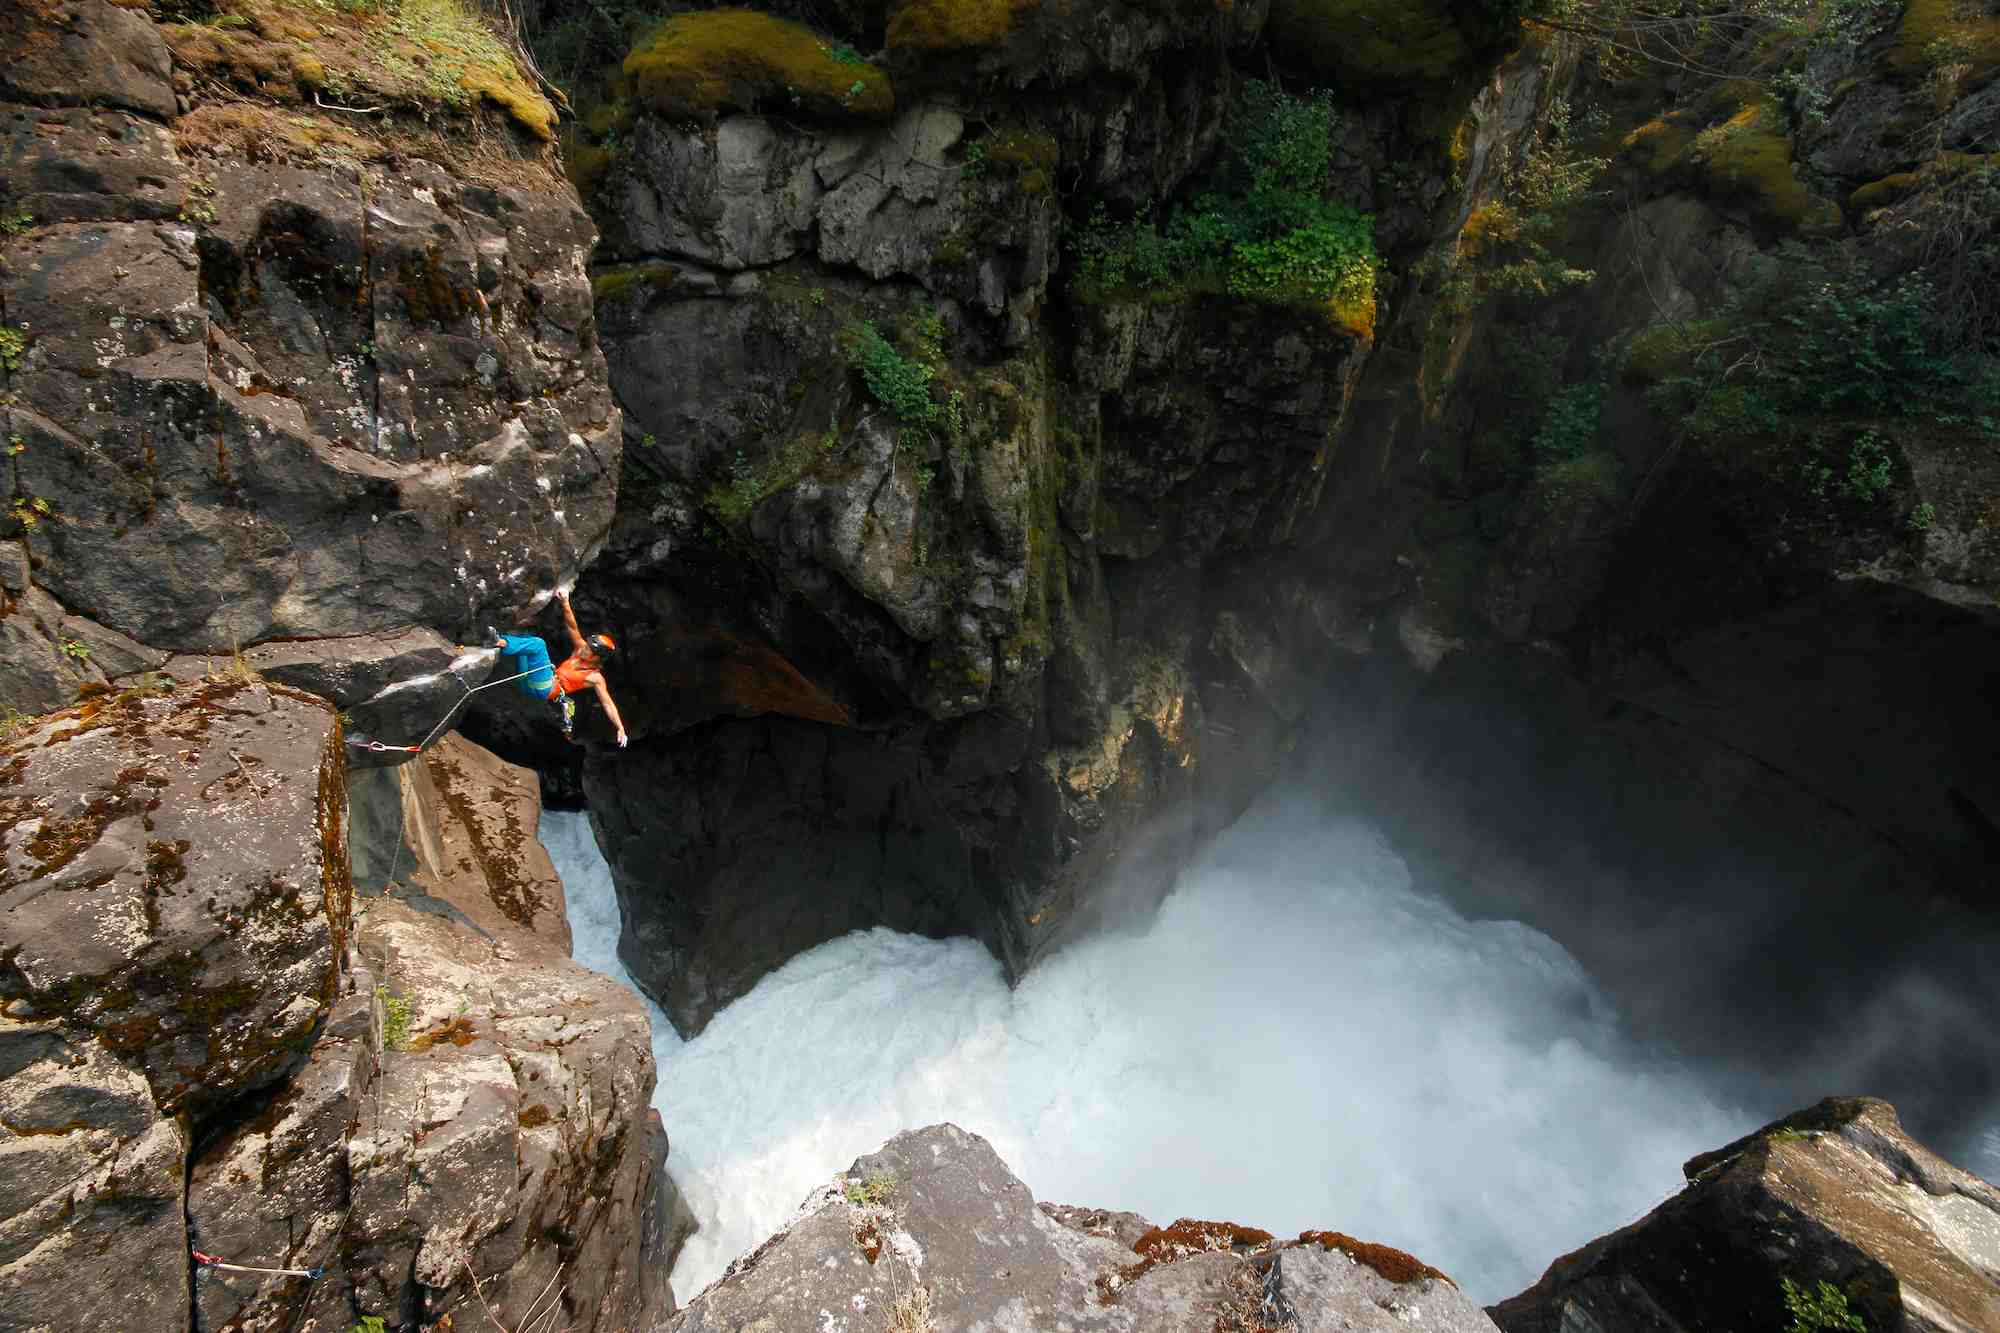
[[696, 66]]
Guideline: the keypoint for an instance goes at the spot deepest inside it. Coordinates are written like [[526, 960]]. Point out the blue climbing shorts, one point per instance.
[[532, 656]]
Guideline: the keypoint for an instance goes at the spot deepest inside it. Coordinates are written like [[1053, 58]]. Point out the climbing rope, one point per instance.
[[380, 747], [211, 1261]]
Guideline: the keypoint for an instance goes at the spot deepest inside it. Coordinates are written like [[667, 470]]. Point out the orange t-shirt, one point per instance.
[[572, 677]]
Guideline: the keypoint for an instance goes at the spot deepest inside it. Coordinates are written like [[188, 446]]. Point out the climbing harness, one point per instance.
[[211, 1261]]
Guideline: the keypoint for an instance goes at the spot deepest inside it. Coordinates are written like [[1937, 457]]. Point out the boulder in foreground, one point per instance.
[[934, 1232], [1835, 1207]]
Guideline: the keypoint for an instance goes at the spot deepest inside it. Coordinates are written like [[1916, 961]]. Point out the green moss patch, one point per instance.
[[695, 66], [633, 281], [930, 27], [1936, 34], [1747, 159], [418, 53], [1657, 146]]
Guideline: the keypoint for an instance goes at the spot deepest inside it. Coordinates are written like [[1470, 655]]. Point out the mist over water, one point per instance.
[[1297, 1040]]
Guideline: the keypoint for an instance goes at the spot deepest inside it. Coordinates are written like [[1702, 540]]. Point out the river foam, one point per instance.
[[1297, 1040]]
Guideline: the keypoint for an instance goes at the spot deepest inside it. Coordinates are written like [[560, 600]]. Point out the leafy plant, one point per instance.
[[15, 222], [1822, 1309], [370, 1323], [12, 347], [1921, 517], [1808, 336], [30, 510], [1261, 230], [904, 384], [76, 650], [396, 1015], [875, 1188], [198, 205]]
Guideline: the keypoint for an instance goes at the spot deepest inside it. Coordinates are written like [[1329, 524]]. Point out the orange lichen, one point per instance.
[[1392, 1264], [694, 66], [1183, 1240]]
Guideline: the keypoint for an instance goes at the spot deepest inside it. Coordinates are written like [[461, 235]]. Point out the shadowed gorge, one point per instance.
[[1366, 627]]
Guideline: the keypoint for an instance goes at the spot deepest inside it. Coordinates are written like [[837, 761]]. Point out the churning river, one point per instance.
[[1298, 1039]]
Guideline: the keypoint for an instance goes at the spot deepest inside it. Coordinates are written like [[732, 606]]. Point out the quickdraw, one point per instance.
[[211, 1261]]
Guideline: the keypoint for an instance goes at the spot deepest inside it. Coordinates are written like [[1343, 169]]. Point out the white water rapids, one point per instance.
[[1298, 1040]]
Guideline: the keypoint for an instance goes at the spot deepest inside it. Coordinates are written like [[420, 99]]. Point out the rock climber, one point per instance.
[[578, 672]]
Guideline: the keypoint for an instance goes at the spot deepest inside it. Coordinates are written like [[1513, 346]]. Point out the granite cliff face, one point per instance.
[[946, 680], [274, 371]]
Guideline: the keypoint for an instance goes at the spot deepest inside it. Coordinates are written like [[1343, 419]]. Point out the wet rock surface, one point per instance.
[[935, 1227], [1837, 1194]]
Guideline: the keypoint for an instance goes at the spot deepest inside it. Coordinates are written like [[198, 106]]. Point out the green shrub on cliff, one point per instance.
[[1821, 1308], [1261, 230], [905, 384], [1812, 336]]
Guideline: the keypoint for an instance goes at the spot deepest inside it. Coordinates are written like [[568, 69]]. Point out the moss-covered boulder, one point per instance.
[[694, 66]]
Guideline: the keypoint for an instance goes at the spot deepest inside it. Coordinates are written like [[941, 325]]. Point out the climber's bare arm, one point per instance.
[[569, 623], [610, 709]]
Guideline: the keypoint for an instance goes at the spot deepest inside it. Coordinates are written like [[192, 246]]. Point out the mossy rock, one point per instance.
[[933, 27], [1895, 188], [1937, 33], [422, 53], [1374, 41], [696, 66], [1657, 146], [1747, 160], [633, 280]]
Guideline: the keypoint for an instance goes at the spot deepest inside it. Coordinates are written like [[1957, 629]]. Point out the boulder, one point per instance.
[[173, 908], [90, 1207], [460, 827], [84, 164], [476, 1110], [934, 1231], [176, 880], [261, 397], [1833, 1205], [84, 53]]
